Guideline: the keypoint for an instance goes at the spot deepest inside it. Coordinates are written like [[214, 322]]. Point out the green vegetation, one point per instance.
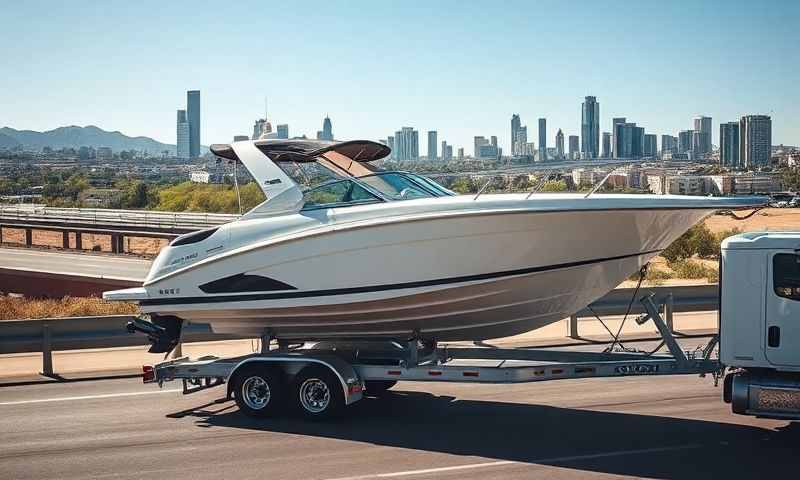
[[791, 178], [202, 197]]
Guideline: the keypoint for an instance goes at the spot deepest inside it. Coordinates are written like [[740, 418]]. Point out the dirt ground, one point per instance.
[[767, 219], [102, 243]]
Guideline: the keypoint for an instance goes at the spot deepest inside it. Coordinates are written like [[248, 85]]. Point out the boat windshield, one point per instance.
[[338, 193], [404, 186]]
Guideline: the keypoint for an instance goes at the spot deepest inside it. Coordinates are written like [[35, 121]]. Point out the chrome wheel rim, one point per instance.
[[255, 393], [315, 396]]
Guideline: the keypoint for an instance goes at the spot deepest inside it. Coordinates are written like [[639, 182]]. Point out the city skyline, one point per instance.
[[459, 102]]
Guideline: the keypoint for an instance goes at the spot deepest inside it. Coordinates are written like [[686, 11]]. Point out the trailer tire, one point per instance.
[[259, 391], [377, 388], [318, 393]]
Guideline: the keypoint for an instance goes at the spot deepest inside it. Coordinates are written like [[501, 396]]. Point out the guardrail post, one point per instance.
[[47, 351], [65, 239], [573, 326], [1, 234], [669, 307], [28, 237], [78, 241]]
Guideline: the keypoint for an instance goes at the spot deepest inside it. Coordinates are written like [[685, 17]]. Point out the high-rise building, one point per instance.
[[703, 125], [574, 147], [650, 148], [628, 140], [605, 152], [494, 141], [461, 153], [182, 136], [590, 128], [614, 123], [560, 144], [449, 153], [327, 130], [755, 141], [699, 144], [522, 140], [444, 150], [542, 139], [406, 142], [729, 144], [685, 141], [485, 148], [390, 144], [193, 117], [240, 138], [432, 145], [283, 130], [516, 124], [669, 144]]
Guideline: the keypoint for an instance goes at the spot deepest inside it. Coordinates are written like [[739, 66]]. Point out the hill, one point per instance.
[[7, 141], [75, 137]]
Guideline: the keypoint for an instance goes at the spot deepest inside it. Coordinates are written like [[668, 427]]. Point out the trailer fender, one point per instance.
[[352, 384]]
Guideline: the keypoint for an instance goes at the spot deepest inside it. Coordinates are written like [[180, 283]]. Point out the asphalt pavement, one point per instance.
[[664, 427]]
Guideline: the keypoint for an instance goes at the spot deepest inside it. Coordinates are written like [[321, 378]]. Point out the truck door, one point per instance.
[[783, 309]]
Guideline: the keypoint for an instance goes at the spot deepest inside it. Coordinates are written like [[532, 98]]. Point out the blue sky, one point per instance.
[[459, 67]]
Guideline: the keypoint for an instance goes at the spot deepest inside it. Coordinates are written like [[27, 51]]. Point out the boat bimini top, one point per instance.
[[347, 162]]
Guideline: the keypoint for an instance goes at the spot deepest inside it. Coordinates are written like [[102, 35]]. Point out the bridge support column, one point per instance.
[[28, 237], [1, 235], [78, 241], [117, 243], [121, 239], [65, 239]]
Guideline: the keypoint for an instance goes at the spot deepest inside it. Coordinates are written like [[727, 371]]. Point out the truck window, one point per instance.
[[786, 275]]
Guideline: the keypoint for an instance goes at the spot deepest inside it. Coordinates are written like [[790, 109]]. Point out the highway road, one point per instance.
[[87, 264], [667, 428]]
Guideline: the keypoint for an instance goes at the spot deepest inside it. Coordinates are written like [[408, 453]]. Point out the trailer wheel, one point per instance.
[[259, 391], [379, 387], [318, 393]]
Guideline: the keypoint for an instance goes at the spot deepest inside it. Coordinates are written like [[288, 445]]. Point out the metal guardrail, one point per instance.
[[48, 335], [101, 217]]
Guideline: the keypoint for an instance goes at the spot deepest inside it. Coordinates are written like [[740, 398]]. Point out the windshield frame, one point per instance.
[[417, 180], [379, 197]]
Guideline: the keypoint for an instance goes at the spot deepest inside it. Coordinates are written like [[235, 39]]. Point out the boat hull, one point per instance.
[[505, 274]]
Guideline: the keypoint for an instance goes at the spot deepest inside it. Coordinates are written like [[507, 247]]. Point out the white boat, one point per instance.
[[393, 255]]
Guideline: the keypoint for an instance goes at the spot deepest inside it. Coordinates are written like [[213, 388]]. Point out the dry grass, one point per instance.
[[12, 308]]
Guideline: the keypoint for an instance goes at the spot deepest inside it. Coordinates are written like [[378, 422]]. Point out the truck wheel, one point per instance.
[[259, 391], [377, 388], [318, 393]]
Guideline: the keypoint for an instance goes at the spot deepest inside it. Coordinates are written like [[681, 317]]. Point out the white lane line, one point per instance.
[[512, 462], [90, 397]]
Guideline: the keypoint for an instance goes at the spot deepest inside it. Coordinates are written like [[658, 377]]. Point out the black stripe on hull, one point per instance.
[[382, 288]]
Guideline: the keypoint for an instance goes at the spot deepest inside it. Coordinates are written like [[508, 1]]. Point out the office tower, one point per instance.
[[590, 128], [182, 145], [193, 117], [432, 144], [478, 142], [449, 153], [494, 141], [560, 144], [685, 141], [486, 148], [516, 124], [614, 123], [668, 144], [542, 139], [699, 141], [703, 125], [406, 142], [650, 146], [521, 141], [283, 130], [755, 141], [628, 140], [729, 144], [240, 138], [461, 153], [390, 144], [606, 149], [574, 147], [327, 130]]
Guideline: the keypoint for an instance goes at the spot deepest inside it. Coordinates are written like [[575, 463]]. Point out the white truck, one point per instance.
[[759, 331]]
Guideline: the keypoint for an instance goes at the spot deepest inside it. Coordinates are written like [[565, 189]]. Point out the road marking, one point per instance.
[[90, 397], [501, 463]]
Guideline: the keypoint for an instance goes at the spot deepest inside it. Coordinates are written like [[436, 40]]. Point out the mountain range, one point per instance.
[[75, 137]]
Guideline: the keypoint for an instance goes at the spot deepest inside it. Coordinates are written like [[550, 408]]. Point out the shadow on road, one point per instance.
[[544, 435]]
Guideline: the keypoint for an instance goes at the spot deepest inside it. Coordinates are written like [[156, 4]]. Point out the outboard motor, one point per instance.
[[163, 331]]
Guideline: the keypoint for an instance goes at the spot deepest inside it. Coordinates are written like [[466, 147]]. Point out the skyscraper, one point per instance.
[[755, 140], [729, 144], [522, 140], [606, 149], [685, 141], [542, 139], [590, 128], [461, 153], [628, 140], [650, 148], [574, 146], [516, 124], [703, 125], [193, 117], [406, 143], [444, 148], [668, 144], [560, 144], [283, 130], [614, 123], [432, 145], [390, 144], [182, 136], [327, 130]]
